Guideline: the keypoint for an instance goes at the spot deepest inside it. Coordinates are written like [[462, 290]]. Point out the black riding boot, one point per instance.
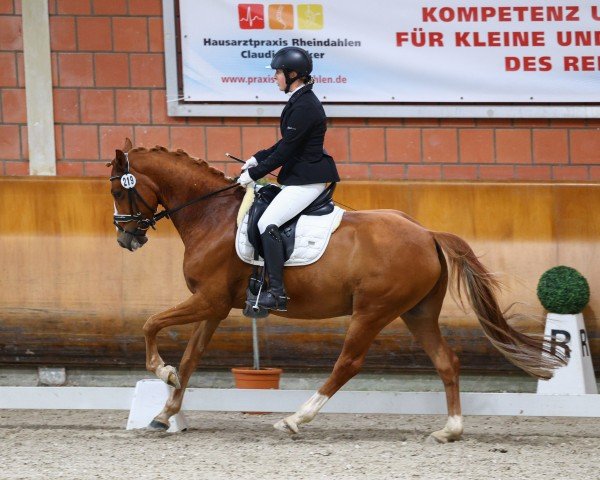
[[275, 297]]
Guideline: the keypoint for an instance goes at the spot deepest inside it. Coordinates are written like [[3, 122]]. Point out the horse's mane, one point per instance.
[[182, 154]]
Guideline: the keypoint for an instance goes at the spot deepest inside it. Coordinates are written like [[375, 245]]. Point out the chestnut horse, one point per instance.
[[378, 266]]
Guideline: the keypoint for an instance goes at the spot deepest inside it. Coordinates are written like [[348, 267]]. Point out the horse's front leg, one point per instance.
[[194, 309], [196, 347]]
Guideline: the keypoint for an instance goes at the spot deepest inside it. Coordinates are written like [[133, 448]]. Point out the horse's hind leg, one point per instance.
[[361, 332], [422, 321], [196, 347]]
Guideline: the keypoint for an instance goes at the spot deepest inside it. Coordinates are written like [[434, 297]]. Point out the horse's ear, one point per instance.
[[120, 160], [128, 145]]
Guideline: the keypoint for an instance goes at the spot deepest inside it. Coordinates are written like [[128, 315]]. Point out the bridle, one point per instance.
[[128, 181]]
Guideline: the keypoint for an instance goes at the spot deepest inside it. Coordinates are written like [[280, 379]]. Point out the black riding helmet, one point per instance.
[[292, 59]]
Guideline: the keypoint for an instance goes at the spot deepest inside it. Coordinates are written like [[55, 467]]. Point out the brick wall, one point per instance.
[[13, 117], [108, 78]]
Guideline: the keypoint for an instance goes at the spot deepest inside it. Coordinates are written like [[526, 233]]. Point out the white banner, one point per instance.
[[391, 51]]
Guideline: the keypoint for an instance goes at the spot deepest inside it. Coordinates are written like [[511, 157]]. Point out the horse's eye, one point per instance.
[[118, 194]]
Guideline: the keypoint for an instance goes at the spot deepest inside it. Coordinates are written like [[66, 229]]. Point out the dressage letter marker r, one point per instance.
[[585, 351], [563, 344]]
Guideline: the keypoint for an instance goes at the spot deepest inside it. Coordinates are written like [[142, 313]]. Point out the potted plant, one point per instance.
[[256, 377], [564, 293], [563, 290]]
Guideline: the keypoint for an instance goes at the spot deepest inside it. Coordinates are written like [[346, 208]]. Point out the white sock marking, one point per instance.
[[454, 425]]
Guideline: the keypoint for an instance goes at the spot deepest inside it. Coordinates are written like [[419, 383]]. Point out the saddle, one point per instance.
[[322, 205]]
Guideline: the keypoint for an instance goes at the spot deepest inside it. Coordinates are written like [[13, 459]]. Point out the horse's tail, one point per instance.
[[532, 353]]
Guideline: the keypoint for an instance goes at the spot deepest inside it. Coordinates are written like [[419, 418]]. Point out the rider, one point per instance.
[[305, 167]]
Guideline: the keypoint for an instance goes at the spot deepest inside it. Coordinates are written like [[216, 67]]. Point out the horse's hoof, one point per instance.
[[286, 426], [169, 375], [156, 425], [174, 379], [433, 439], [442, 436]]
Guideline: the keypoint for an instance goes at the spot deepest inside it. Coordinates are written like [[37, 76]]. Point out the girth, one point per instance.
[[322, 205]]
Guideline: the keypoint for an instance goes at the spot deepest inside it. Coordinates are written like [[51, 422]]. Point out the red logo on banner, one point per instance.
[[251, 15]]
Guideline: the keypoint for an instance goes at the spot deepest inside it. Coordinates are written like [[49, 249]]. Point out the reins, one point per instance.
[[273, 175], [128, 181], [167, 213]]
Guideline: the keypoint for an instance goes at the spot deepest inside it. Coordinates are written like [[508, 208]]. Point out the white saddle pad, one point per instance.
[[312, 237]]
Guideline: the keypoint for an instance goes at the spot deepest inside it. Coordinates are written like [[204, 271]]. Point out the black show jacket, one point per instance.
[[300, 151]]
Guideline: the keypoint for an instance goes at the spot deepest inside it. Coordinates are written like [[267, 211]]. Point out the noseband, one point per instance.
[[128, 182]]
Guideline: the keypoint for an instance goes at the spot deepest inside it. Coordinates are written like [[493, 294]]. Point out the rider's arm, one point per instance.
[[263, 154], [298, 128]]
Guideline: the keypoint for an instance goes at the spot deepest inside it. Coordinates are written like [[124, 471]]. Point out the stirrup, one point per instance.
[[270, 301], [252, 309]]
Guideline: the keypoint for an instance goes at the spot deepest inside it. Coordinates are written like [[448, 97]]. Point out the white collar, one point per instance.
[[296, 89]]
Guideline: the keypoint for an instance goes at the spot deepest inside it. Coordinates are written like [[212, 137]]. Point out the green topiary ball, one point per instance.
[[563, 290]]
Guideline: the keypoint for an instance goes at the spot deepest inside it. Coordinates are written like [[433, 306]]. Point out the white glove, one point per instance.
[[244, 179], [251, 162]]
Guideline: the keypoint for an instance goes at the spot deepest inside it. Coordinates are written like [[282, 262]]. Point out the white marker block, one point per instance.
[[568, 333], [149, 398]]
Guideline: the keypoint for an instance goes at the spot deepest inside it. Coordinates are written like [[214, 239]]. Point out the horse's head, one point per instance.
[[134, 198]]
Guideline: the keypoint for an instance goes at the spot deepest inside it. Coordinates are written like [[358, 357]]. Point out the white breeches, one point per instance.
[[288, 203]]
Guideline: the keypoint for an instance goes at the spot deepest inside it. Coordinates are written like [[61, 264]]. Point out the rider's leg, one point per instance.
[[275, 297], [290, 201]]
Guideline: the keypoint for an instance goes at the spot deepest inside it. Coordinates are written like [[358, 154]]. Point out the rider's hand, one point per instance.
[[245, 179], [251, 162]]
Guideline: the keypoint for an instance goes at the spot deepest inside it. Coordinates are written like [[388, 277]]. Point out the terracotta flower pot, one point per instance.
[[247, 377], [265, 378]]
